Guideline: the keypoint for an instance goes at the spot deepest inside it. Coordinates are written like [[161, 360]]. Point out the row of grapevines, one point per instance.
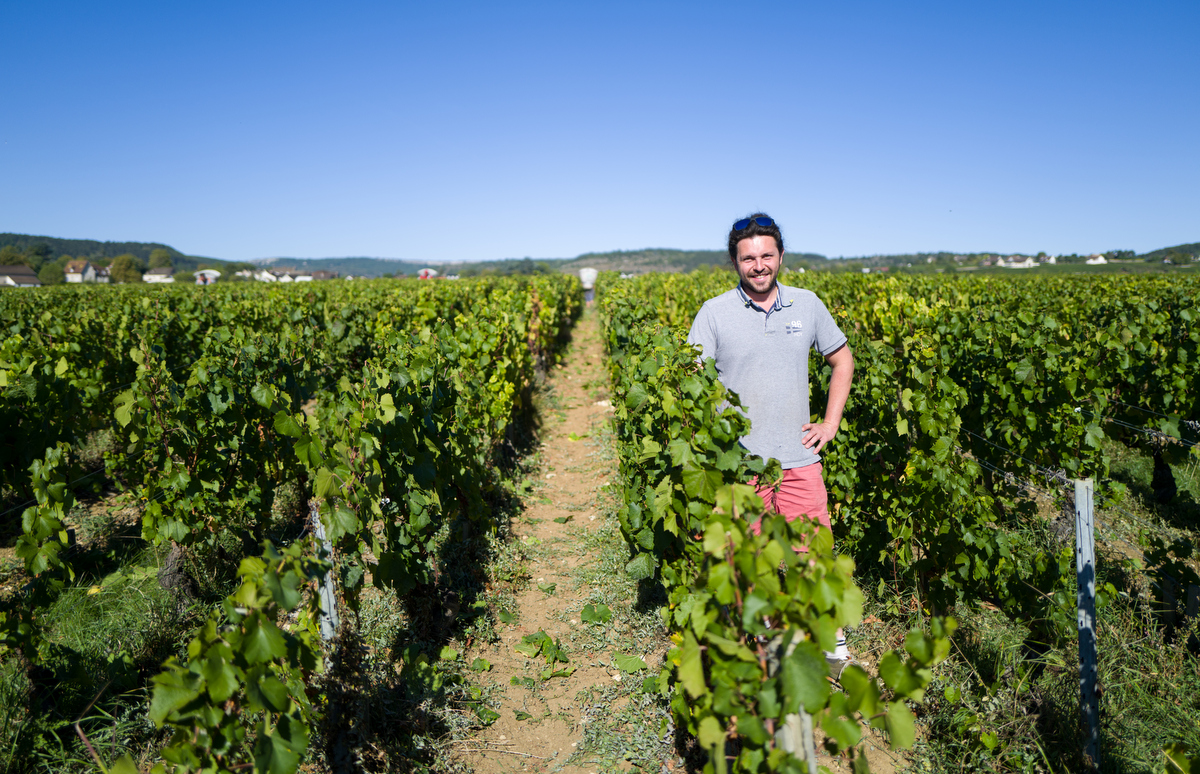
[[749, 614], [959, 377], [392, 452], [412, 401]]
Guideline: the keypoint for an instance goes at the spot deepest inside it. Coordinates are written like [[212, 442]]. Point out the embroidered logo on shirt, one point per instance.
[[795, 326]]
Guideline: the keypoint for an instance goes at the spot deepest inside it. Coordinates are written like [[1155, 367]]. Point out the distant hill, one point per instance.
[[357, 267], [664, 259], [1178, 253], [634, 261], [92, 249]]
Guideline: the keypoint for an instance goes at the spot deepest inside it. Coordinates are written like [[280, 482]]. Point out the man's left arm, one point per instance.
[[817, 434]]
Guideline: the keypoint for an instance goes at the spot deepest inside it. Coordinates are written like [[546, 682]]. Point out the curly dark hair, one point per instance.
[[752, 231]]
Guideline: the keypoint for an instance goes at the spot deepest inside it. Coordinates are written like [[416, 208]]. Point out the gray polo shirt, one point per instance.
[[762, 355]]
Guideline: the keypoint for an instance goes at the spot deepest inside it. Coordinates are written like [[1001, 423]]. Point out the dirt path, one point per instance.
[[540, 720]]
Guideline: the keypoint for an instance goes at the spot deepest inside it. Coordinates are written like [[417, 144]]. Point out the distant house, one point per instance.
[[79, 271], [161, 275], [321, 274], [1017, 262], [103, 276], [275, 275], [206, 276], [1096, 260], [18, 277]]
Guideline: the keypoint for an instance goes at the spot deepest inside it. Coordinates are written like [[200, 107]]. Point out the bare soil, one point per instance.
[[571, 478]]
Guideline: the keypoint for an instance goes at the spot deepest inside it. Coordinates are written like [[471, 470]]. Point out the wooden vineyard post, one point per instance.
[[1085, 566], [327, 596], [795, 733]]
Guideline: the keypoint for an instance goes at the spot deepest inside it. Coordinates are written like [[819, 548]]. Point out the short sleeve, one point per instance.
[[828, 337], [703, 333]]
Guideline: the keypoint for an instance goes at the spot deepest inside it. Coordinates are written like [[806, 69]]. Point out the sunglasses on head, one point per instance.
[[744, 223]]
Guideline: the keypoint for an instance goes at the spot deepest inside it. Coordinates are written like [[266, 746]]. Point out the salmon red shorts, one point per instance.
[[801, 493]]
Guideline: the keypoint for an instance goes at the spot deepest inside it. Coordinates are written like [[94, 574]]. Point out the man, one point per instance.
[[760, 333]]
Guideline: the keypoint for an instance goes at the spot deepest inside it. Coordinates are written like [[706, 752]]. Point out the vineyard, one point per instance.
[[211, 496]]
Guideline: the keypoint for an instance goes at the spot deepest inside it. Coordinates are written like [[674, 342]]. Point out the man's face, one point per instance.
[[758, 262]]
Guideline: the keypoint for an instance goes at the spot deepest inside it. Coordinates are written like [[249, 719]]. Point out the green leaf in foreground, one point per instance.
[[481, 665], [596, 614], [552, 672], [900, 725], [505, 616], [519, 715], [548, 587], [628, 663], [563, 519]]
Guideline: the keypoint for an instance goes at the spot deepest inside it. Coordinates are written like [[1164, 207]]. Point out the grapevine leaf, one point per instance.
[[263, 395], [387, 407], [285, 424], [752, 728], [636, 396], [124, 408], [900, 725], [279, 751], [845, 732], [640, 567], [711, 735], [596, 614], [802, 679], [691, 667], [173, 689], [220, 677], [124, 765], [262, 641], [269, 693], [700, 483], [628, 663], [326, 483]]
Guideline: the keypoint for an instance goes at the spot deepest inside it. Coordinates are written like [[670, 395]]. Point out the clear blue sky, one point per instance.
[[487, 130]]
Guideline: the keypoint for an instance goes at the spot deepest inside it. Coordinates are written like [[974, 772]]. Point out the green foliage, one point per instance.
[[962, 382], [392, 402], [243, 668], [83, 248], [126, 268], [160, 257], [41, 543], [52, 274], [751, 613]]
